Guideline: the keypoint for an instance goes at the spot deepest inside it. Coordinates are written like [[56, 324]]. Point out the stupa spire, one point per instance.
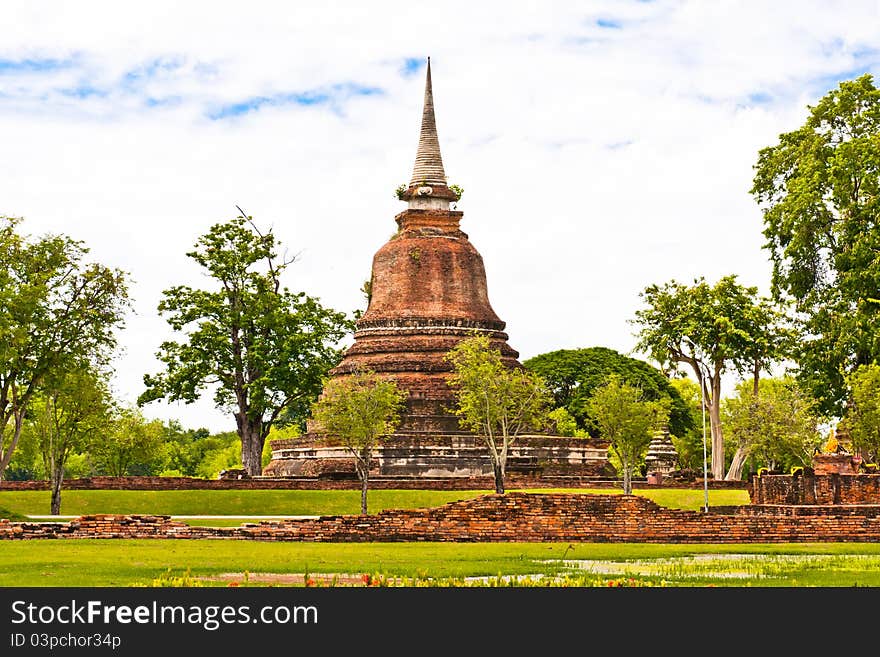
[[428, 189], [428, 169]]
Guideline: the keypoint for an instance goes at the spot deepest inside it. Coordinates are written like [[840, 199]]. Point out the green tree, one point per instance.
[[565, 424], [494, 401], [689, 443], [573, 374], [627, 420], [819, 192], [261, 347], [184, 448], [712, 329], [862, 420], [777, 427], [56, 310], [360, 409], [71, 410], [132, 445]]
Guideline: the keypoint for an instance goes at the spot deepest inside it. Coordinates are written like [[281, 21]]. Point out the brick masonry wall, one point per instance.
[[351, 483], [511, 517], [816, 489]]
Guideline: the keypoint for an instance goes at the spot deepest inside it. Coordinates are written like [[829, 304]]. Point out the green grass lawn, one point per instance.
[[11, 515], [131, 562], [298, 502]]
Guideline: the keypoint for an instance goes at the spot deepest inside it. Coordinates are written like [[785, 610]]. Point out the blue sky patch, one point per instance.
[[169, 101], [760, 98], [823, 84], [83, 91], [411, 66], [33, 65], [331, 96], [609, 24], [152, 69]]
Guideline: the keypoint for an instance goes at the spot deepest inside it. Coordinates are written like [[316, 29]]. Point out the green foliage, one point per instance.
[[198, 453], [185, 449], [400, 190], [778, 427], [259, 346], [573, 374], [819, 191], [862, 419], [360, 409], [627, 420], [216, 460], [565, 423], [70, 412], [712, 329], [457, 190], [689, 443], [57, 311], [132, 445], [724, 326], [495, 401]]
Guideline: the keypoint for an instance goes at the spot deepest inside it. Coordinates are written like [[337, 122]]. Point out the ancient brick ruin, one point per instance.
[[427, 293], [833, 480], [510, 517]]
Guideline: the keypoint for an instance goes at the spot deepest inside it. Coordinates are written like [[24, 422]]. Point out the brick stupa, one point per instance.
[[427, 292]]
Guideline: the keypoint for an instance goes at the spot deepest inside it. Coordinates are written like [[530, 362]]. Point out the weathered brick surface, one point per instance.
[[831, 489], [451, 455], [510, 517], [428, 292]]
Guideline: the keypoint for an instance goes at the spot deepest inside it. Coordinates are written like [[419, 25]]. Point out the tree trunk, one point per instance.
[[498, 471], [362, 465], [6, 457], [57, 477], [715, 429], [734, 473], [250, 432], [627, 478], [365, 479]]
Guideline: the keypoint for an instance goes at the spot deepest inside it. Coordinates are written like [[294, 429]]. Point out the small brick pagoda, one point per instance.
[[428, 292]]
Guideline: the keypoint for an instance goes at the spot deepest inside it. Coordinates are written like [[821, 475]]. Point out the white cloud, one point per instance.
[[595, 161]]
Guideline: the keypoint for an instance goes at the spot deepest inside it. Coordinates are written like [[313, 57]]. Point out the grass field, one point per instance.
[[138, 562], [254, 563], [299, 502]]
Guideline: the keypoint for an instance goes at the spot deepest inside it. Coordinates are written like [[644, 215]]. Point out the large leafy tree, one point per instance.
[[57, 311], [494, 401], [360, 409], [819, 191], [711, 329], [777, 426], [572, 375], [627, 420], [260, 346]]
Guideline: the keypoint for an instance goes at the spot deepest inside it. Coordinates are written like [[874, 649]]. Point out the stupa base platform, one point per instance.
[[439, 456]]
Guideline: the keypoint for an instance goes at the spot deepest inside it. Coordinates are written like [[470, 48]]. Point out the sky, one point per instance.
[[603, 146]]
